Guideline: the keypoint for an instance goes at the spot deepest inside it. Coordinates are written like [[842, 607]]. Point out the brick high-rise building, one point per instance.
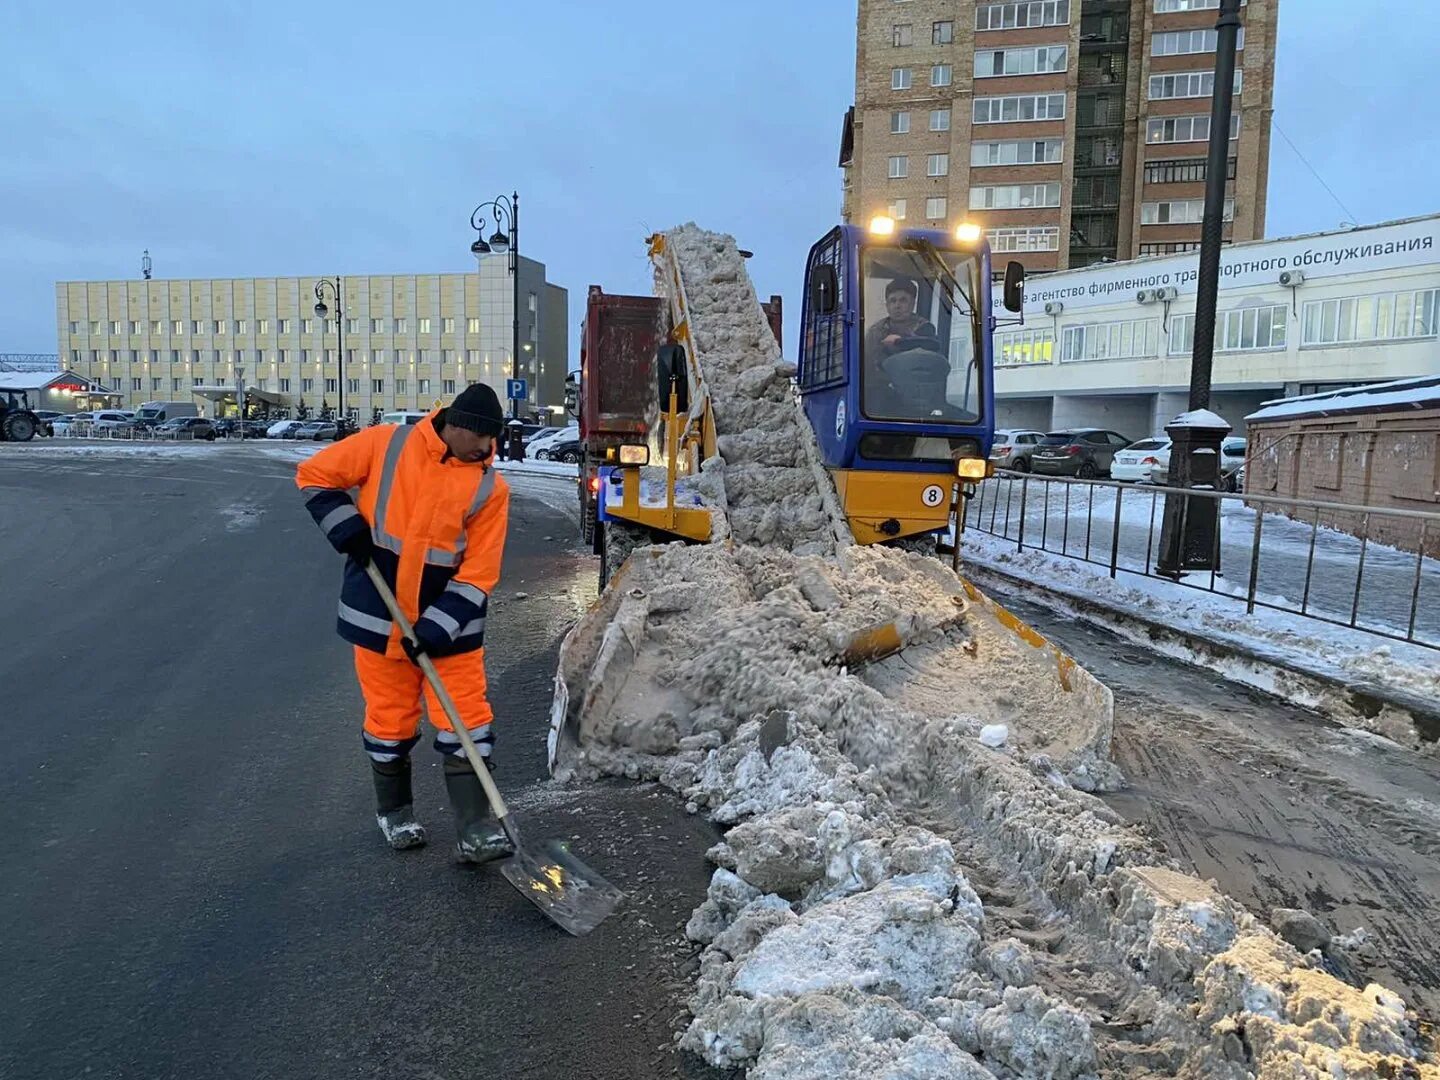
[[1075, 131]]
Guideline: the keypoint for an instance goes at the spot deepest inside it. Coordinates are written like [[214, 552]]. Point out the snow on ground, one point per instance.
[[895, 900], [1280, 637]]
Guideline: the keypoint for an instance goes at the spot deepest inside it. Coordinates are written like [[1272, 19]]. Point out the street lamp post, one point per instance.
[[342, 421], [504, 211], [1188, 536]]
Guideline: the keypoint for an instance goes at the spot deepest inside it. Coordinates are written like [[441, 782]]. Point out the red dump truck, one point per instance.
[[617, 399]]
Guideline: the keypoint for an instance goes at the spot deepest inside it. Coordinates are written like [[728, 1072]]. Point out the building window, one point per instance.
[[377, 386], [472, 356], [176, 327], [1180, 247], [899, 78], [284, 386], [900, 123], [897, 209], [352, 326], [1014, 196], [306, 385], [1181, 171], [134, 326], [447, 386], [937, 165], [425, 325], [424, 356], [400, 356], [1028, 60], [1019, 107], [156, 326], [899, 166], [196, 380], [284, 326], [1095, 192], [217, 326], [939, 119], [1110, 341], [422, 386], [902, 34], [942, 33], [262, 326], [401, 326], [1035, 238], [94, 356], [240, 326], [1252, 328], [214, 356], [331, 384], [472, 325], [307, 326], [401, 386], [154, 356], [1166, 7], [936, 208], [1017, 152], [940, 75], [1180, 212], [174, 356], [262, 384], [115, 356], [137, 384], [115, 326], [1179, 129], [377, 326], [329, 326], [447, 326], [1409, 314], [1188, 42], [378, 356], [350, 356], [1025, 347], [1017, 16], [1186, 84]]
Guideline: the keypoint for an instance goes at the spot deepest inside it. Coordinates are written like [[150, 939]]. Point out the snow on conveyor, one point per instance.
[[895, 899]]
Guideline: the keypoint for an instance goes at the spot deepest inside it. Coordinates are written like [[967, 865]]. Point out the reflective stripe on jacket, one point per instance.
[[438, 525]]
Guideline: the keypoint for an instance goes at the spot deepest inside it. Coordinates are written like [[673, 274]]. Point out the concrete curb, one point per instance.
[[1356, 703]]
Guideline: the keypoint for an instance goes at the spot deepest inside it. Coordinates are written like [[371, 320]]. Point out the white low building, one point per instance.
[[1110, 346]]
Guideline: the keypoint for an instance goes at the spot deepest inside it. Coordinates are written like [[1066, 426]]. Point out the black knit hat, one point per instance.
[[477, 409]]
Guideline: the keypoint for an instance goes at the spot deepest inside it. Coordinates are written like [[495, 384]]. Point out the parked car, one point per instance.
[[1139, 461], [1082, 452], [316, 430], [113, 420], [1012, 448], [47, 418], [70, 424], [548, 436], [403, 417], [186, 427], [281, 429], [566, 450]]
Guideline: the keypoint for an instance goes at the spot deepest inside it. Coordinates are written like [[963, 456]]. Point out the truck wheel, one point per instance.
[[19, 427], [617, 541]]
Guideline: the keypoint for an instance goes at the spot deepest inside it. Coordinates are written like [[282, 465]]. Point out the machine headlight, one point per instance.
[[634, 455], [974, 469]]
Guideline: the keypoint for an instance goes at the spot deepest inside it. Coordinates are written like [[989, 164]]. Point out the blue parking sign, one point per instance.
[[517, 389]]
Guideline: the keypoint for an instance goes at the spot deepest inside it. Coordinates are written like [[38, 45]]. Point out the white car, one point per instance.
[[71, 424], [1142, 461], [113, 420], [280, 428], [551, 435]]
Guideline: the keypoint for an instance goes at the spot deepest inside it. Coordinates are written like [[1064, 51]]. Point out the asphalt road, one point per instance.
[[193, 884]]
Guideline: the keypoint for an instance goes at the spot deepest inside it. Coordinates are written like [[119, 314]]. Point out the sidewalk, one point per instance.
[[1369, 682]]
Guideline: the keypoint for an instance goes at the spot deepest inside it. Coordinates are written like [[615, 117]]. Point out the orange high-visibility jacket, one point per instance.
[[438, 525]]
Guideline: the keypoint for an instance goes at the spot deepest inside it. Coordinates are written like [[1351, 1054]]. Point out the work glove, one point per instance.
[[359, 547], [423, 643]]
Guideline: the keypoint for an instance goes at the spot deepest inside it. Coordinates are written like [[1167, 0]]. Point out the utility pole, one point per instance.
[[1188, 537]]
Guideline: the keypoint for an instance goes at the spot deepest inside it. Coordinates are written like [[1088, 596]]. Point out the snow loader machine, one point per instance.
[[892, 400]]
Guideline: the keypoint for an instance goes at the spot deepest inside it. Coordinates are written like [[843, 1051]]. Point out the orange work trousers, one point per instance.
[[393, 689]]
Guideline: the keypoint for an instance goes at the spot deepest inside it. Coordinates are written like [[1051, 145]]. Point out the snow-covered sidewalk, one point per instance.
[[1281, 638]]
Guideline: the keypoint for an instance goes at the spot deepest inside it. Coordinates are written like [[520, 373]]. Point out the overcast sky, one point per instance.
[[282, 138]]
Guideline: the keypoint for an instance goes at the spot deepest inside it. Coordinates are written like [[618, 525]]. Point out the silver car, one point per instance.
[[1013, 446]]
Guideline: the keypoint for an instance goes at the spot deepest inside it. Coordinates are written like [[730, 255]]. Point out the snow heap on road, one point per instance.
[[894, 898]]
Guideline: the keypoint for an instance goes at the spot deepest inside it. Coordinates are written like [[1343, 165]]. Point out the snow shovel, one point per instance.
[[568, 892]]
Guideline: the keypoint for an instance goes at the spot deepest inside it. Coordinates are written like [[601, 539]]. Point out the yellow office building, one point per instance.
[[409, 341]]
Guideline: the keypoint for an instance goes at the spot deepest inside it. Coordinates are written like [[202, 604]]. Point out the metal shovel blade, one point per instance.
[[568, 892]]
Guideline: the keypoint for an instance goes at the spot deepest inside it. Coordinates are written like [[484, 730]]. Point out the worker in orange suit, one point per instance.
[[424, 503]]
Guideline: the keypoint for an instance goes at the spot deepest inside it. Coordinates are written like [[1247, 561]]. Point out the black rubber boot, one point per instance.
[[478, 837], [394, 809]]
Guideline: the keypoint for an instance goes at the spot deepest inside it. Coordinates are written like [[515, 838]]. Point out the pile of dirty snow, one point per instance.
[[915, 881]]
